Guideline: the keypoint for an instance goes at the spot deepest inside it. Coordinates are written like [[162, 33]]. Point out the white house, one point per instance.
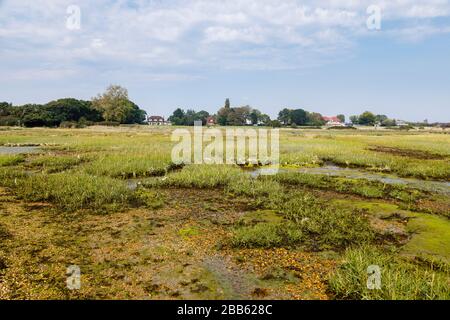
[[333, 121]]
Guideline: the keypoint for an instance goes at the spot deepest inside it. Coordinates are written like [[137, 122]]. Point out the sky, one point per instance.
[[329, 56]]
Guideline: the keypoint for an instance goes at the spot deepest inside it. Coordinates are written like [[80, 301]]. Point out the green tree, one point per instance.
[[341, 117], [354, 119], [284, 116], [178, 117], [379, 118], [115, 106], [367, 118], [315, 119], [299, 117]]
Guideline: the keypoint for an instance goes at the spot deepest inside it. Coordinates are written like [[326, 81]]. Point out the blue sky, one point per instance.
[[270, 54]]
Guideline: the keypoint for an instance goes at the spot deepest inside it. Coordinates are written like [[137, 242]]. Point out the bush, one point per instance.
[[400, 280], [9, 121]]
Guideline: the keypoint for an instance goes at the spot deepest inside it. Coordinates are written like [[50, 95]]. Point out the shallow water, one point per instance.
[[18, 150], [351, 173]]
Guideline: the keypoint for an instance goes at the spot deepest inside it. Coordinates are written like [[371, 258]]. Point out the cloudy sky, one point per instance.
[[317, 55]]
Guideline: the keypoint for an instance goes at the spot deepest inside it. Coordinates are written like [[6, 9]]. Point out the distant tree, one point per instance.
[[379, 118], [255, 116], [275, 124], [388, 123], [188, 118], [367, 118], [284, 116], [70, 109], [314, 119], [354, 119], [341, 117], [202, 116], [299, 117], [115, 106], [178, 117], [265, 120], [5, 109], [224, 113]]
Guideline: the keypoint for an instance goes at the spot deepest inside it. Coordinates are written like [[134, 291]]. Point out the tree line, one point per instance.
[[111, 107]]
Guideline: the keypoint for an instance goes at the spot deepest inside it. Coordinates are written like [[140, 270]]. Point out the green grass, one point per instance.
[[431, 236], [400, 280], [71, 192], [201, 176], [307, 222], [129, 165], [11, 160], [361, 187], [55, 163]]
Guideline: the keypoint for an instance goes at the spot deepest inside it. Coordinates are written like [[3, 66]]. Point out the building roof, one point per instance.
[[334, 119], [156, 118]]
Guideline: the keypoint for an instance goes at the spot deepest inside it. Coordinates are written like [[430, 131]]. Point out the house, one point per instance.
[[156, 121], [211, 121], [333, 121], [401, 123]]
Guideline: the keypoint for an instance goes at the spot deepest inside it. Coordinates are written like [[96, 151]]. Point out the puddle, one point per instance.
[[18, 150], [442, 187]]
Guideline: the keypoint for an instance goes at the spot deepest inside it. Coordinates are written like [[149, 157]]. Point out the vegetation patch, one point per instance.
[[400, 280], [11, 160], [362, 187], [417, 154], [55, 163], [74, 191], [309, 223]]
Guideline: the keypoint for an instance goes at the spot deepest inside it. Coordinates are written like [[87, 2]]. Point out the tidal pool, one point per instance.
[[18, 150], [442, 187]]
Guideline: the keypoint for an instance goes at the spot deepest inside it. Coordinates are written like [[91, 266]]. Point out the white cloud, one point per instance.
[[201, 33]]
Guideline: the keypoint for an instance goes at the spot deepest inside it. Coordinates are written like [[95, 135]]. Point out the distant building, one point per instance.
[[156, 121], [211, 121], [401, 123], [333, 121]]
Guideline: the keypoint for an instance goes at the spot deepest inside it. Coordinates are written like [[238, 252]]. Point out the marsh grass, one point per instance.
[[149, 199], [11, 160], [129, 165], [201, 176], [71, 192], [307, 222], [56, 163], [400, 280], [362, 187]]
